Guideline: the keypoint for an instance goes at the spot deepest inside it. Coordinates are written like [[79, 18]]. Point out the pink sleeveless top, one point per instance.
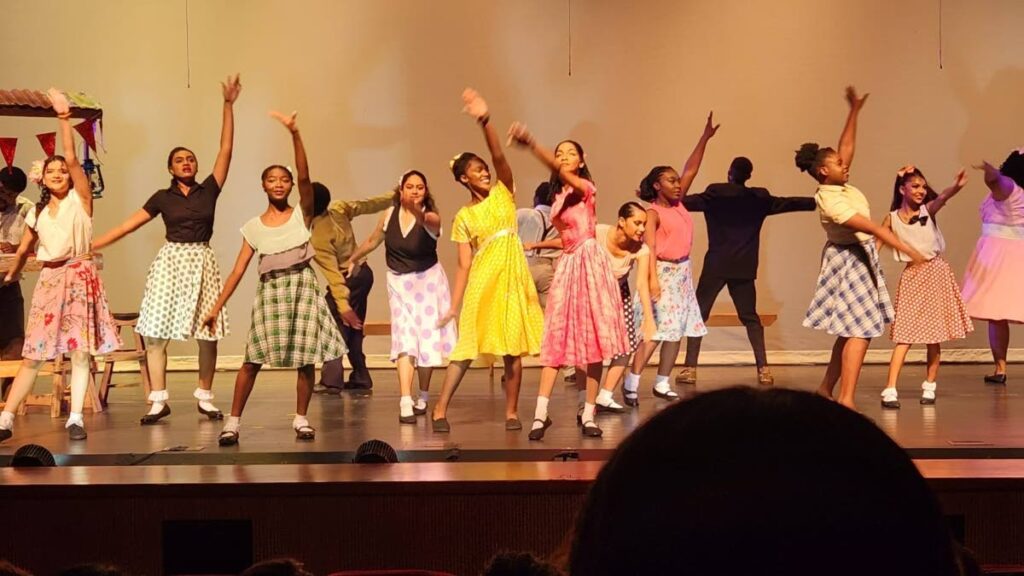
[[574, 213], [675, 232]]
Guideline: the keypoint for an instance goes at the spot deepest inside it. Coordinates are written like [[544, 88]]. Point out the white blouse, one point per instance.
[[621, 265], [64, 236], [272, 240], [926, 239]]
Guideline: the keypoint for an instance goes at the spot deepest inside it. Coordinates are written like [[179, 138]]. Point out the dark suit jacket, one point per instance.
[[735, 215]]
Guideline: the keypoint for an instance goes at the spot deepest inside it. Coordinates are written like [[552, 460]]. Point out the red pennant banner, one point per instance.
[[48, 141], [87, 132], [7, 146]]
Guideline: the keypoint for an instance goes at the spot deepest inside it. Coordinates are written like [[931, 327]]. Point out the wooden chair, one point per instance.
[[59, 396], [136, 353]]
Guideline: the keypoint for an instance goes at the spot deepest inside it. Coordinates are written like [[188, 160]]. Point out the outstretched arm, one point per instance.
[[230, 88], [79, 180], [1001, 186], [133, 223], [476, 107], [862, 224], [549, 244], [848, 139], [692, 165], [245, 254], [519, 135], [959, 181], [301, 165]]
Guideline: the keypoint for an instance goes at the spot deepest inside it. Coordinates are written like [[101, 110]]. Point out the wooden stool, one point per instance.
[[136, 353]]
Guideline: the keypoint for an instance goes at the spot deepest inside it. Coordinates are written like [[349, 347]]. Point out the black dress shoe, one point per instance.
[[631, 399], [995, 379], [538, 433], [670, 395], [211, 414], [419, 411], [76, 432], [927, 401], [891, 404], [411, 419], [228, 438], [513, 424], [602, 409], [154, 418], [591, 429], [5, 434], [440, 425]]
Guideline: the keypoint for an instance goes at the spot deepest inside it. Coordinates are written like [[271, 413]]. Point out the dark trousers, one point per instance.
[[12, 328], [332, 373], [744, 296]]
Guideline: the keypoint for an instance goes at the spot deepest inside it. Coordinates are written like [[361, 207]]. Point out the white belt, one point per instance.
[[1003, 231], [487, 241]]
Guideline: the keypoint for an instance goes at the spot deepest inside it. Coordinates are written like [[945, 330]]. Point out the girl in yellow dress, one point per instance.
[[501, 313]]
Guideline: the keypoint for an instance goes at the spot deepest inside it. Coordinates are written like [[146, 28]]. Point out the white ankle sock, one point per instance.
[[74, 418], [233, 424], [604, 397], [928, 389], [205, 398], [588, 412], [7, 420], [158, 398], [661, 383], [421, 402], [541, 413], [299, 421], [405, 405], [631, 383]]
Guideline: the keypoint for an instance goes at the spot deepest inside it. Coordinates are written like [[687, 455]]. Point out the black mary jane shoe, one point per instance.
[[995, 379], [5, 434], [76, 432], [670, 395], [631, 399], [150, 419], [419, 411], [891, 404], [538, 433], [590, 429], [305, 433], [211, 414], [602, 409], [228, 438]]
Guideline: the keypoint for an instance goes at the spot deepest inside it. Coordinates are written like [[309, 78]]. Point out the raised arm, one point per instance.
[[132, 224], [369, 245], [519, 135], [476, 107], [692, 165], [301, 165], [79, 180], [959, 181], [848, 139], [245, 254], [1001, 186], [230, 89]]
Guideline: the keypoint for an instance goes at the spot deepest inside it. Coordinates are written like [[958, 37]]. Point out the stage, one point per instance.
[[150, 495], [971, 419]]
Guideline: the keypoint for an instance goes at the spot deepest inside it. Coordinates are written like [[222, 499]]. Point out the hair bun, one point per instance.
[[806, 156]]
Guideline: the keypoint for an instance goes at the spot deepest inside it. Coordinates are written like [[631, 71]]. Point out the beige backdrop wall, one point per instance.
[[377, 88]]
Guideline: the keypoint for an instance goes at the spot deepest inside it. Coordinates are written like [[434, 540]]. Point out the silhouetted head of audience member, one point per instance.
[[277, 567], [96, 569], [8, 569], [519, 564], [745, 481]]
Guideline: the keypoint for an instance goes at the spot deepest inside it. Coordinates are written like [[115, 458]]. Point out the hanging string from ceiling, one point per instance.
[[188, 51]]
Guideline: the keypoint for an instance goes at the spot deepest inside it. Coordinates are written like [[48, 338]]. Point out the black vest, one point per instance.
[[416, 252]]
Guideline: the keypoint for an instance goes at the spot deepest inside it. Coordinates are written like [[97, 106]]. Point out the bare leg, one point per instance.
[[513, 381], [853, 360], [423, 374], [244, 382], [835, 366], [207, 363], [156, 363], [615, 371], [934, 357], [999, 342], [643, 355], [667, 359], [80, 374], [452, 378], [405, 374], [899, 355], [548, 375], [22, 385], [305, 378]]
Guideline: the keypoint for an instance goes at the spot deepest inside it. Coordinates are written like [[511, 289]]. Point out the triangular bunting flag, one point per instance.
[[7, 146], [85, 129], [48, 141]]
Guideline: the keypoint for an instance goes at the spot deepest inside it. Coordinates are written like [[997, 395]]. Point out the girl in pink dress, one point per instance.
[[991, 283], [583, 323], [69, 312]]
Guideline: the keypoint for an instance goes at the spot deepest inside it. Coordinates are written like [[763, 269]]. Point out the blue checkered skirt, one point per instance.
[[850, 299]]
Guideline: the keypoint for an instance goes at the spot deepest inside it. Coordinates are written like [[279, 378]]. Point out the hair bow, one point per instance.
[[908, 169]]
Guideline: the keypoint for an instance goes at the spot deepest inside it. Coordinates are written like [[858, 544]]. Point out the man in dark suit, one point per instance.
[[735, 214]]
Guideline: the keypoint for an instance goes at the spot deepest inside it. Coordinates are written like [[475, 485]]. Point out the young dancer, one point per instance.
[[929, 308], [291, 326], [669, 236], [624, 244], [735, 214], [582, 324], [540, 240], [417, 288], [184, 279], [347, 295], [500, 313], [69, 312], [850, 301], [992, 277], [13, 209]]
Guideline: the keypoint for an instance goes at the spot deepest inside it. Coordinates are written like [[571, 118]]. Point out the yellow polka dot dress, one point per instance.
[[501, 314]]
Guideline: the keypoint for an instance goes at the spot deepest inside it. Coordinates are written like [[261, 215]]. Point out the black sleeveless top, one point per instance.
[[416, 252]]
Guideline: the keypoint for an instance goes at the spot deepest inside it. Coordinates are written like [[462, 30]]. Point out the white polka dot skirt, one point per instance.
[[418, 300], [182, 287], [929, 308]]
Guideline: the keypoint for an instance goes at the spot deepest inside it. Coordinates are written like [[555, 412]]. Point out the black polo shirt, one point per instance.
[[187, 218]]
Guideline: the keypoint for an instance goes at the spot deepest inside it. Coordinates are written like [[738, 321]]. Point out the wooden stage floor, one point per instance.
[[970, 420]]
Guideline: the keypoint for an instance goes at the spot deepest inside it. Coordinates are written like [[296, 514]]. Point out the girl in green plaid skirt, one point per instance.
[[291, 326]]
